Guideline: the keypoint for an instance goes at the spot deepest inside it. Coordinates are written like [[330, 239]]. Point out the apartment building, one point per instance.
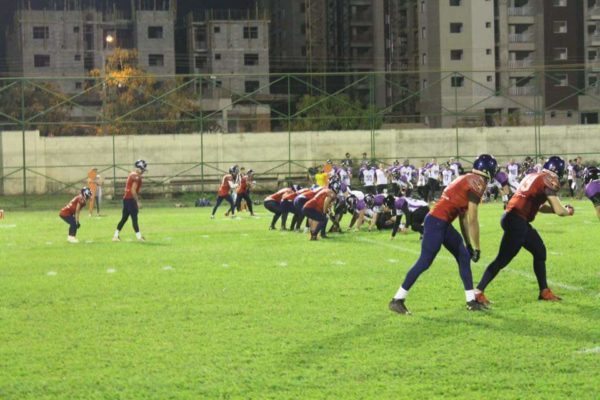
[[69, 41]]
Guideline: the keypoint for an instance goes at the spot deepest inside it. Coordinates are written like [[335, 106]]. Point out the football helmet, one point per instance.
[[389, 201], [335, 186], [556, 165], [141, 164], [351, 203], [370, 200], [86, 192], [486, 164], [591, 174]]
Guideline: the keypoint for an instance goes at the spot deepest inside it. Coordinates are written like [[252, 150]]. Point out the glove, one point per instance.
[[475, 254], [78, 225], [570, 209]]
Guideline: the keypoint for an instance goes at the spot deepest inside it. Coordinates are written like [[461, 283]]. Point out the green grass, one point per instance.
[[244, 312]]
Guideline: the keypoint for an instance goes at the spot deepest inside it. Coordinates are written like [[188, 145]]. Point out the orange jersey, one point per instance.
[[532, 193], [318, 201], [278, 196], [71, 207], [131, 179], [243, 187], [309, 193], [291, 196], [225, 187], [92, 175], [455, 198]]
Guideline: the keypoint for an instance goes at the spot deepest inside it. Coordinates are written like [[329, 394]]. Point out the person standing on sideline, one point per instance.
[[131, 201], [537, 193], [434, 179], [92, 177], [224, 193], [461, 199], [243, 191], [591, 179], [381, 179], [70, 213]]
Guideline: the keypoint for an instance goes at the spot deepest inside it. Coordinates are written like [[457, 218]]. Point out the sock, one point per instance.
[[401, 294], [117, 233], [505, 198], [138, 235], [470, 295]]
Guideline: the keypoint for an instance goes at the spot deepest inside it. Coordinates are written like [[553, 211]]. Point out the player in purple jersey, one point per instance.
[[414, 210], [591, 180], [376, 207], [505, 188]]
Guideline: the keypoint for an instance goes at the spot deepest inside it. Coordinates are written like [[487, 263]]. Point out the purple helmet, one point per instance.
[[487, 164], [556, 165], [591, 174]]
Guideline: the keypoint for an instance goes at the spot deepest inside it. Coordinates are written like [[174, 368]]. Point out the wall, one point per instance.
[[52, 162]]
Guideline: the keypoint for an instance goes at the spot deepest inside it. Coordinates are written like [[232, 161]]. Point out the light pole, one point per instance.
[[108, 39]]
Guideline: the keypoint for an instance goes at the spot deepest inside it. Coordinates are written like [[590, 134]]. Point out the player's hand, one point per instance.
[[570, 209], [78, 225], [476, 255], [139, 205], [404, 230]]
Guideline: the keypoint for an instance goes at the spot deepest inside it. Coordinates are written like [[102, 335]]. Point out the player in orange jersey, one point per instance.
[[92, 185], [70, 213], [460, 199], [228, 182], [243, 191], [131, 201], [273, 204], [537, 192], [317, 208]]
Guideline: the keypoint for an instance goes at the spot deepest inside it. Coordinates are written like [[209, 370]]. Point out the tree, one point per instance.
[[135, 102], [337, 112]]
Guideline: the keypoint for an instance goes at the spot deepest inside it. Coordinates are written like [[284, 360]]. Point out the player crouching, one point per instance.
[[318, 207], [70, 213]]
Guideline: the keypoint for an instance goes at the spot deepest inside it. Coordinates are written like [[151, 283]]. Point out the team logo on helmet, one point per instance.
[[86, 192]]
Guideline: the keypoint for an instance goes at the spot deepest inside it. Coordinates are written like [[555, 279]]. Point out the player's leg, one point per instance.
[[246, 196], [238, 202], [217, 204], [515, 231], [275, 208], [535, 245], [229, 199], [124, 218], [72, 226]]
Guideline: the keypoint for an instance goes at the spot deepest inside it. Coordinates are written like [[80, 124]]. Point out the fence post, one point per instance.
[[201, 122], [289, 124], [23, 142], [454, 77], [371, 111]]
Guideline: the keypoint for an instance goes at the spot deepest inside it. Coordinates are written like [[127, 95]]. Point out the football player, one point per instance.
[[317, 208], [591, 179], [70, 213], [243, 191], [303, 196], [537, 193], [460, 199], [131, 200], [224, 193], [415, 211], [273, 204]]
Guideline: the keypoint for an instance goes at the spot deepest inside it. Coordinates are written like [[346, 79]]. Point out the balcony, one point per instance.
[[520, 37], [524, 63], [526, 11], [521, 90], [594, 12], [595, 38]]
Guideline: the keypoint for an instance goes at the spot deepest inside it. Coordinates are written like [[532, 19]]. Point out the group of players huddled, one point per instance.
[[388, 195]]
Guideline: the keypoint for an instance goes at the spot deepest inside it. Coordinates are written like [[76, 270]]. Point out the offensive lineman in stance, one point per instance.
[[131, 200], [70, 213], [460, 199], [537, 192]]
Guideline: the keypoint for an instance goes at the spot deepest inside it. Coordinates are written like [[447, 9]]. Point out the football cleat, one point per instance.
[[116, 239], [397, 305], [141, 239], [474, 305], [72, 239], [481, 299], [547, 295]]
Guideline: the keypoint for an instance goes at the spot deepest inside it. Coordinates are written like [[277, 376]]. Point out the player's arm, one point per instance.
[[554, 206], [598, 211], [327, 204], [360, 220], [373, 221], [77, 211], [396, 225], [469, 226]]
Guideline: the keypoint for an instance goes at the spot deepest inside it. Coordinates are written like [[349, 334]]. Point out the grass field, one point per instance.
[[225, 308]]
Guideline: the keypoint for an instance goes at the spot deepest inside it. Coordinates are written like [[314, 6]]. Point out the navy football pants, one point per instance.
[[220, 200], [518, 233], [72, 224], [437, 233], [129, 209]]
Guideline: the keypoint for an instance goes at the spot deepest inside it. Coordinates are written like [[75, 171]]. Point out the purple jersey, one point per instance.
[[592, 192], [502, 178]]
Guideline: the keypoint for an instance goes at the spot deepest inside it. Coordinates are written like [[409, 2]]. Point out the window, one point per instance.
[[251, 32], [559, 3], [424, 84], [423, 33], [592, 55], [217, 29], [424, 59], [569, 114], [560, 53], [488, 52], [155, 32], [77, 57], [200, 62], [560, 26], [552, 114], [456, 55], [75, 29], [456, 27], [455, 3], [156, 60], [560, 79], [488, 24], [457, 81], [78, 85], [41, 32], [422, 6], [217, 56], [251, 59], [41, 60], [251, 86], [489, 78]]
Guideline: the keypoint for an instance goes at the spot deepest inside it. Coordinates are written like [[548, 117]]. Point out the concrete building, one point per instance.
[[70, 40]]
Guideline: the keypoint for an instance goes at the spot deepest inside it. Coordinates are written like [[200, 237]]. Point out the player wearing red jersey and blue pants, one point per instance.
[[536, 192], [317, 208], [243, 191], [273, 204], [131, 200], [70, 213], [460, 199], [227, 184]]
